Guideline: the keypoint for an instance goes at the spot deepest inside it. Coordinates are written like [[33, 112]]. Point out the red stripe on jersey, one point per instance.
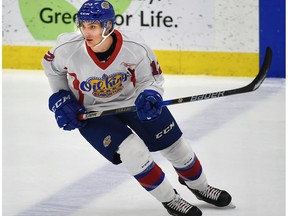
[[133, 77], [104, 65], [160, 70], [76, 85], [155, 70]]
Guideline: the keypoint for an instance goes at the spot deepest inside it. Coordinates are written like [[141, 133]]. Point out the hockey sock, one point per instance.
[[151, 178], [136, 157], [193, 175], [186, 164]]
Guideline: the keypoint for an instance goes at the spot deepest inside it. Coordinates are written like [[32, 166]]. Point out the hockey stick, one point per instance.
[[248, 88]]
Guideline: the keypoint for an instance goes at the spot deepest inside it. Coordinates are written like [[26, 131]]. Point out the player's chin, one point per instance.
[[90, 43]]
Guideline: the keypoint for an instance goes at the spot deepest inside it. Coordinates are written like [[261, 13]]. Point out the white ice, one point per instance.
[[240, 141]]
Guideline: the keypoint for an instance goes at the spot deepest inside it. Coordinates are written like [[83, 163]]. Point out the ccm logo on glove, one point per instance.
[[66, 109], [60, 102]]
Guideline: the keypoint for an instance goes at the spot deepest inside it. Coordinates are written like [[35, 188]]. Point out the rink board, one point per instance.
[[172, 62]]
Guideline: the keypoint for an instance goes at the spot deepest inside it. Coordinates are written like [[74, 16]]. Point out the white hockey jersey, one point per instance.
[[133, 67]]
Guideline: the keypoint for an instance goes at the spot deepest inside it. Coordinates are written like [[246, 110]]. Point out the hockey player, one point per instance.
[[102, 68]]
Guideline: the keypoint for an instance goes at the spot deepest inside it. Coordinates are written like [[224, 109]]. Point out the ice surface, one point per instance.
[[240, 141]]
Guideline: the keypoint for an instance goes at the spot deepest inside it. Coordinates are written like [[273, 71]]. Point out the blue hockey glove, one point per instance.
[[66, 109], [148, 105]]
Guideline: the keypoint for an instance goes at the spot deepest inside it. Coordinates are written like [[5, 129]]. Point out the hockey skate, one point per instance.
[[179, 207], [215, 196]]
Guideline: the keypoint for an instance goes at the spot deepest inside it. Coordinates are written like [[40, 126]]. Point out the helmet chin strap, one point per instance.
[[104, 37]]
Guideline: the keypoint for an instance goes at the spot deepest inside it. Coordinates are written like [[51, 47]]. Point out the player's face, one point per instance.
[[92, 33]]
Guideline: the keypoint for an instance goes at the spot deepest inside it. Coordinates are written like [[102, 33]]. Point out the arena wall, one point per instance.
[[203, 37]]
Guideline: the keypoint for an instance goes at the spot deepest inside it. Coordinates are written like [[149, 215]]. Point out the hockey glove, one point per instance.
[[148, 105], [66, 109]]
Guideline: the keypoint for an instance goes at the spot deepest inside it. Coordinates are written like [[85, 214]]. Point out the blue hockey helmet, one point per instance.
[[96, 11]]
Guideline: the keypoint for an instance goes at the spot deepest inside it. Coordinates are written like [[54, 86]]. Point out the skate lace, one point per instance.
[[180, 205], [211, 193]]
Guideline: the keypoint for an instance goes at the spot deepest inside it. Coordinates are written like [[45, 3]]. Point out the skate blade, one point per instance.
[[230, 206]]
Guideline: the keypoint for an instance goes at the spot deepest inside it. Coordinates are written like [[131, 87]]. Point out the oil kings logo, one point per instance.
[[105, 86], [107, 141], [105, 5]]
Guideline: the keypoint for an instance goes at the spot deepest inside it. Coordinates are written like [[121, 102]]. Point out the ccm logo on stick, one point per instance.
[[165, 131]]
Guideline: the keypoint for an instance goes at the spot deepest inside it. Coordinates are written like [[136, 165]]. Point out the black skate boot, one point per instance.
[[211, 195], [179, 207]]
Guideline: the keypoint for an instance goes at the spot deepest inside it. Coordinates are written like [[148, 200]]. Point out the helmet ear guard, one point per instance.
[[108, 25]]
